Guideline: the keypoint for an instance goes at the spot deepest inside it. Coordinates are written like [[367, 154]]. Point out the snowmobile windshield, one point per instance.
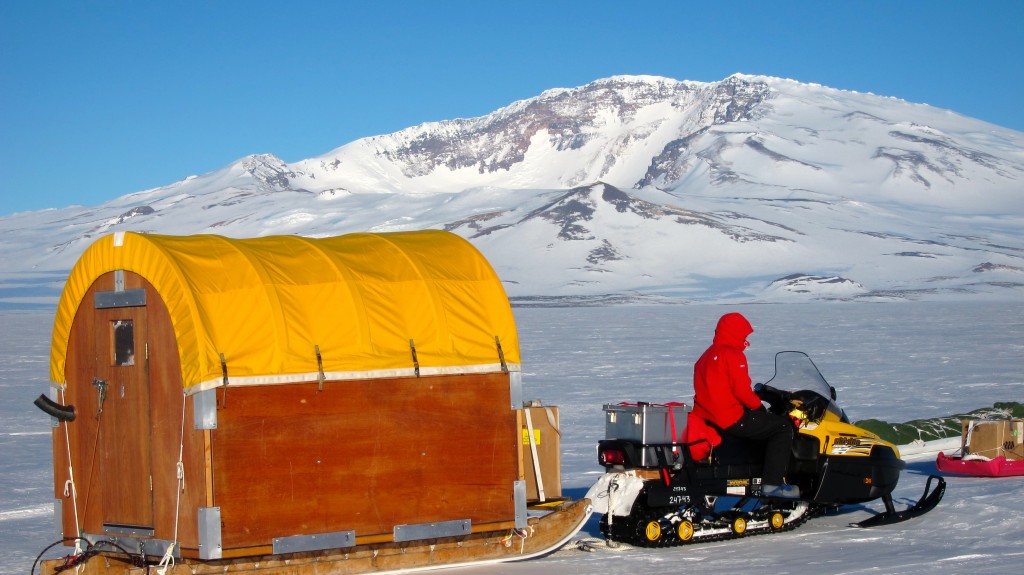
[[794, 371], [797, 374]]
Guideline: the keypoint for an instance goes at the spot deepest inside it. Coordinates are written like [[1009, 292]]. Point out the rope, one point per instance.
[[69, 485], [613, 486], [522, 534], [91, 550], [167, 561], [92, 468]]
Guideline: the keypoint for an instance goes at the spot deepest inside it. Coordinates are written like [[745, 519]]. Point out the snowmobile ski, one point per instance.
[[928, 501]]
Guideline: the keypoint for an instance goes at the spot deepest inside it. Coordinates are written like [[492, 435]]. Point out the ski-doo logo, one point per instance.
[[846, 445]]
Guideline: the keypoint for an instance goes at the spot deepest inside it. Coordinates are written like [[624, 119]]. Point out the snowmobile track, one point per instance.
[[637, 534]]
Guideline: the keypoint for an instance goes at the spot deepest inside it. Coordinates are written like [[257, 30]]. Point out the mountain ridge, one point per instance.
[[749, 189]]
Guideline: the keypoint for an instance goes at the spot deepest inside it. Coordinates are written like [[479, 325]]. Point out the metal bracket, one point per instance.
[[315, 542], [224, 369], [54, 398], [320, 367], [58, 517], [209, 533], [519, 497], [204, 409], [433, 530], [415, 360], [501, 355], [122, 298], [515, 388], [128, 530]]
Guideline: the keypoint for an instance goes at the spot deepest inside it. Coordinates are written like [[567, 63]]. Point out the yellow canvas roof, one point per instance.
[[267, 303]]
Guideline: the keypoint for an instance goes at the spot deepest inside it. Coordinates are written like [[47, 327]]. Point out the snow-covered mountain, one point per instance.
[[751, 188]]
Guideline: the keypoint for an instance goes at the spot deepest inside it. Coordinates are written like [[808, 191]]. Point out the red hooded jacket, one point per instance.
[[721, 381]]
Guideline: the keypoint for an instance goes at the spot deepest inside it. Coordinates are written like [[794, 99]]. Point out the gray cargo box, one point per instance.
[[649, 424]]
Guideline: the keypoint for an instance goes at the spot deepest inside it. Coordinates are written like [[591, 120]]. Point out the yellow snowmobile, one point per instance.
[[655, 493]]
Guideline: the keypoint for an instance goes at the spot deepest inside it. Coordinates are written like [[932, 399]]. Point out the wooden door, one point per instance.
[[121, 380]]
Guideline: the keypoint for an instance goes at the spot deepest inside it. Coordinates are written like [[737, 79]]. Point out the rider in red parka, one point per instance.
[[722, 396]]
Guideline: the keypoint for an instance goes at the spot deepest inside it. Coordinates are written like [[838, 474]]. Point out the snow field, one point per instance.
[[892, 361]]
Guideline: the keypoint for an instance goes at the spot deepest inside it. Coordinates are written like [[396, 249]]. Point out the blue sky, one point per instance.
[[103, 98]]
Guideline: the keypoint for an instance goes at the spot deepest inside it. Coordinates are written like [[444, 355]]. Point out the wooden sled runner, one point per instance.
[[543, 535]]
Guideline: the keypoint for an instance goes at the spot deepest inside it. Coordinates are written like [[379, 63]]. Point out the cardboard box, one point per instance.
[[547, 442], [992, 438], [651, 424]]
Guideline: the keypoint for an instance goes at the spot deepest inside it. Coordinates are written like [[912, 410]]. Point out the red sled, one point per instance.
[[995, 467]]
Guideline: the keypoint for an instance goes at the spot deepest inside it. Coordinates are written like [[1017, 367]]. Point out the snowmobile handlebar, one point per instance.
[[775, 397]]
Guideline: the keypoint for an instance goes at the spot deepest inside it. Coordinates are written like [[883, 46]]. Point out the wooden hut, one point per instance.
[[285, 394]]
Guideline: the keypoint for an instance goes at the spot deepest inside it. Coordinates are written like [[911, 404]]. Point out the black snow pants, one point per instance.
[[777, 434]]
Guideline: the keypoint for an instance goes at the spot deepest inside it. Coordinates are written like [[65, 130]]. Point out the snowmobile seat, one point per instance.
[[728, 471], [736, 450], [734, 458]]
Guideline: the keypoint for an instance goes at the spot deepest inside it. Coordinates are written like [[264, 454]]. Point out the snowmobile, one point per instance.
[[662, 487]]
